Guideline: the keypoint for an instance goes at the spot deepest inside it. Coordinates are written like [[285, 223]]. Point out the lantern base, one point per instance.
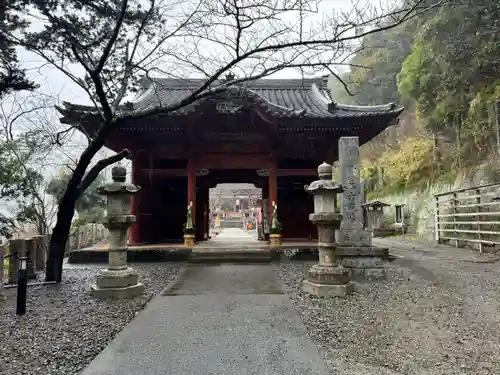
[[327, 281], [326, 290], [128, 292], [117, 284]]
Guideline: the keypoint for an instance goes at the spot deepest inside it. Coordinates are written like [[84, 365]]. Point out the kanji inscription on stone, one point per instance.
[[351, 231]]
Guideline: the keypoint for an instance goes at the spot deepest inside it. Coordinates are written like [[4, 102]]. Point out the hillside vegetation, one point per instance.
[[444, 67]]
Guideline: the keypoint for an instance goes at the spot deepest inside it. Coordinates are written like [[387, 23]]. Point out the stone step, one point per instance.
[[231, 256]]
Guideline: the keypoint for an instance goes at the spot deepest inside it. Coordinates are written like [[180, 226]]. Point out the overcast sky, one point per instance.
[[55, 82]]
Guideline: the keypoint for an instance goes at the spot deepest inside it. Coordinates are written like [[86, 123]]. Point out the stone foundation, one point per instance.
[[362, 251], [118, 284], [364, 268], [128, 292], [326, 290], [364, 262]]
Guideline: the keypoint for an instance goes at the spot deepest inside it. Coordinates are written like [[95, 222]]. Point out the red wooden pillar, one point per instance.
[[134, 200], [265, 198], [206, 201], [191, 185], [273, 189], [201, 215]]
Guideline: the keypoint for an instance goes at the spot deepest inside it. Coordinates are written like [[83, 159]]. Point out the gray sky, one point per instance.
[[55, 82]]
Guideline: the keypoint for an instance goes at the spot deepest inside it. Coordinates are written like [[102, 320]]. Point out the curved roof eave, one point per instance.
[[318, 106]]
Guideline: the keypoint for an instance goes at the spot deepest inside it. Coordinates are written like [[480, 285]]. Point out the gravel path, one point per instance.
[[432, 316], [65, 328]]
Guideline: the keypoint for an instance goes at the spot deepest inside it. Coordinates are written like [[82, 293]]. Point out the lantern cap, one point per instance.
[[119, 184], [325, 171], [118, 173], [325, 183]]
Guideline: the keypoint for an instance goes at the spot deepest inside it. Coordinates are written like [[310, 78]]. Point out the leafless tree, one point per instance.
[[27, 128]]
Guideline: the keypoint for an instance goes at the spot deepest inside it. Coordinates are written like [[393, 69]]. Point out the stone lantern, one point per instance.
[[326, 278], [118, 280]]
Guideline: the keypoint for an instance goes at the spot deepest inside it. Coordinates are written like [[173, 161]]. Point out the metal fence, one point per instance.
[[36, 249], [469, 217]]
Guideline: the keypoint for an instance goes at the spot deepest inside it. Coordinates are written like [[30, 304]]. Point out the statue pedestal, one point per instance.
[[117, 284]]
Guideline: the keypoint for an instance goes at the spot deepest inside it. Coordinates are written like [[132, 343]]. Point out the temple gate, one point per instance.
[[270, 132]]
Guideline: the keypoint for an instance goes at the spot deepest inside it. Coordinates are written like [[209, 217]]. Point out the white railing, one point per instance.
[[469, 216]]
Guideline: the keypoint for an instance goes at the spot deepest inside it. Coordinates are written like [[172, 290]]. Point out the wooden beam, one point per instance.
[[234, 161], [183, 172]]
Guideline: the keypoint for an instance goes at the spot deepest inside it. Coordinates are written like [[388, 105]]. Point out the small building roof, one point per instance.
[[375, 203]]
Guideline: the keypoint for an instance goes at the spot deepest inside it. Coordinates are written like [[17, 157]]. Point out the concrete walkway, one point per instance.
[[215, 320], [233, 235]]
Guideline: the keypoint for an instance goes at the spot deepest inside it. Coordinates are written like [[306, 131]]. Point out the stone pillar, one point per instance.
[[351, 230], [31, 261], [118, 280], [40, 253], [17, 249], [326, 279], [354, 242]]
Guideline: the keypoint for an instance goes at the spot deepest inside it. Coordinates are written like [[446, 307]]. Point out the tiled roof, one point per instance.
[[286, 98], [279, 98]]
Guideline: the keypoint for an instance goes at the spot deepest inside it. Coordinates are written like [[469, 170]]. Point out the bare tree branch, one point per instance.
[[99, 166]]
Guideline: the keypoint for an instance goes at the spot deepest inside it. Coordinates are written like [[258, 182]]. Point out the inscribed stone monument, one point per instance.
[[355, 250], [351, 231]]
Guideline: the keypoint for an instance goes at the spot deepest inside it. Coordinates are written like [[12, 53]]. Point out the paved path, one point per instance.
[[220, 320], [233, 235]]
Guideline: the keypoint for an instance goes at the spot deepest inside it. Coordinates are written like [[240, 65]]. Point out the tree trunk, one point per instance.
[[66, 207], [60, 234], [65, 212]]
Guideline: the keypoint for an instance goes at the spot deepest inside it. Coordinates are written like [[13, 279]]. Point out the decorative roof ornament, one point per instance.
[[230, 77]]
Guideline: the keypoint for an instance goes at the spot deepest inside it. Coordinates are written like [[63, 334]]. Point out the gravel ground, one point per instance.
[[432, 316], [64, 327]]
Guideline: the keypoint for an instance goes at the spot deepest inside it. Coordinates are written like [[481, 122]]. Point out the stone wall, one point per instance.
[[35, 248], [420, 205]]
